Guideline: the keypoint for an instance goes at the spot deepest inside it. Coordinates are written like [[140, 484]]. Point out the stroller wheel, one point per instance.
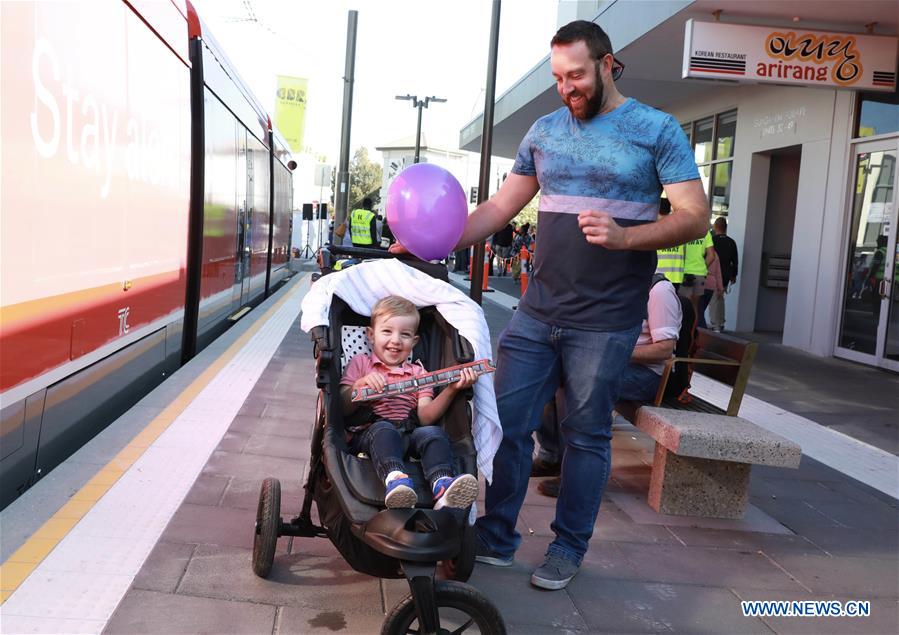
[[460, 567], [461, 608], [268, 522]]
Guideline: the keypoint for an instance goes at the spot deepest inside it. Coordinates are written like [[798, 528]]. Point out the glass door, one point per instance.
[[869, 325]]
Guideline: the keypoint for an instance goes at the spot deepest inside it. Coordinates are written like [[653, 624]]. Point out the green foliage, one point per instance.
[[365, 177], [529, 213]]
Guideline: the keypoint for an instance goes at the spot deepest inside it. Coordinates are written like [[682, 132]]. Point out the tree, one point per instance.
[[529, 213], [365, 177]]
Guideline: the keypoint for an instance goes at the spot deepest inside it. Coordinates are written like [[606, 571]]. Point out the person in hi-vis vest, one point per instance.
[[670, 261], [363, 228]]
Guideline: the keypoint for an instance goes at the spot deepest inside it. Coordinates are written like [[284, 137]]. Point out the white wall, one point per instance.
[[771, 117], [465, 166]]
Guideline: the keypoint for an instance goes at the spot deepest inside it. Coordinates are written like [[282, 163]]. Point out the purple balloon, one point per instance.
[[427, 210]]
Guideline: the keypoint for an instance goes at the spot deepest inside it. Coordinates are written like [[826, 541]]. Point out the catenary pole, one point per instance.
[[343, 169], [477, 273]]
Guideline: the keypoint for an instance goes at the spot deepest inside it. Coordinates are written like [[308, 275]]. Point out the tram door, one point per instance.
[[869, 329], [241, 288]]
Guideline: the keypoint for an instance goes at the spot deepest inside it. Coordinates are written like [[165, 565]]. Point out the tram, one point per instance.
[[146, 205]]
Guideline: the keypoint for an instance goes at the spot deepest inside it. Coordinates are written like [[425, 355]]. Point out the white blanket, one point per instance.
[[364, 284]]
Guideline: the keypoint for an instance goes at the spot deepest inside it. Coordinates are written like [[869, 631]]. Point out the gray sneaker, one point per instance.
[[485, 555], [555, 573]]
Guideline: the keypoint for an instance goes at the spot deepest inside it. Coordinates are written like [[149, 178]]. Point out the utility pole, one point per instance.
[[343, 169], [477, 273]]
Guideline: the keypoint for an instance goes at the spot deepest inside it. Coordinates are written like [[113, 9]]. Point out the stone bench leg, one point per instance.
[[687, 486]]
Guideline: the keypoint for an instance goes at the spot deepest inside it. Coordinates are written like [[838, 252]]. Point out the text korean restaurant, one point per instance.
[[792, 110]]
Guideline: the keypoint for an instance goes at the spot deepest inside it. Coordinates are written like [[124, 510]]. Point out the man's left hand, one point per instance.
[[601, 229]]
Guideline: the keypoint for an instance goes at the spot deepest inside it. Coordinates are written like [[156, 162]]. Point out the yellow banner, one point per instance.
[[290, 110]]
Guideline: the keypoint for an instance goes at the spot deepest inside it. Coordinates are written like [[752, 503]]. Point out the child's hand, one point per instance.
[[373, 380], [467, 378]]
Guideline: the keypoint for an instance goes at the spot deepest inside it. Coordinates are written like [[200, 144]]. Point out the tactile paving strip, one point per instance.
[[78, 585]]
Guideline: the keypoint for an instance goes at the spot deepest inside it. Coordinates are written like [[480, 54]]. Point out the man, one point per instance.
[[363, 225], [503, 246], [728, 259], [670, 259], [601, 163], [698, 257], [655, 346]]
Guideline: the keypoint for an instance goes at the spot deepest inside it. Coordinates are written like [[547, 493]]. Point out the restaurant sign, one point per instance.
[[783, 55]]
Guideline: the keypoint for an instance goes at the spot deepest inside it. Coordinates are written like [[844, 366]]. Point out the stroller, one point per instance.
[[386, 543]]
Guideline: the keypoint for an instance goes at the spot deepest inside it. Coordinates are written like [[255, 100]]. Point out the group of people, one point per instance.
[[587, 324], [702, 270]]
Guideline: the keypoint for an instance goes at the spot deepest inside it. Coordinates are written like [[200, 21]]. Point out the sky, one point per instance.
[[423, 48]]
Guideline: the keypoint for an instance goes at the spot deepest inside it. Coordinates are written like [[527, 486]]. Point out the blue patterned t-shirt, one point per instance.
[[617, 163]]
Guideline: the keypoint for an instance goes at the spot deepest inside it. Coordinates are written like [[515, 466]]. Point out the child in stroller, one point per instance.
[[404, 419]]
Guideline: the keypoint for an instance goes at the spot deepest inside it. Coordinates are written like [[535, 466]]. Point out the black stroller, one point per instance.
[[386, 543]]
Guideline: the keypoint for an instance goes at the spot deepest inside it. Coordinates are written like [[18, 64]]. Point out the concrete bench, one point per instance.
[[702, 461]]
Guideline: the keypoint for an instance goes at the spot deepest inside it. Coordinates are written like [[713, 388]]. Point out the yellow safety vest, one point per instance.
[[360, 226], [671, 263]]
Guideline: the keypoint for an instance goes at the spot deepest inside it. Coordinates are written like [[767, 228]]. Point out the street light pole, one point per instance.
[[416, 103]]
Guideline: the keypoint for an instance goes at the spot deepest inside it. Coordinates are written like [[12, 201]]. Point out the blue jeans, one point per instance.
[[534, 359], [639, 384], [385, 444]]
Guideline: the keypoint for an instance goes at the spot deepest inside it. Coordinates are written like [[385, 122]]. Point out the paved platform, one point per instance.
[[812, 533]]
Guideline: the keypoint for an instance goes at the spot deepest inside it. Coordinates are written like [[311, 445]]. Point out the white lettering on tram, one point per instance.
[[95, 147]]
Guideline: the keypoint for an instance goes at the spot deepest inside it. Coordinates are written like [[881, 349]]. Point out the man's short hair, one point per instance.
[[366, 203], [585, 31], [721, 223], [392, 306]]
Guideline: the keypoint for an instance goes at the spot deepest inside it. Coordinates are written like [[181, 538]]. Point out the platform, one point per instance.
[[149, 527]]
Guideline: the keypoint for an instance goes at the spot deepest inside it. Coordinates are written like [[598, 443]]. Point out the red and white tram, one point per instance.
[[146, 200]]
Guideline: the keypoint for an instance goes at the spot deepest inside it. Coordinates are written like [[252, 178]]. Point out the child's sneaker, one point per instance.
[[400, 493], [458, 492]]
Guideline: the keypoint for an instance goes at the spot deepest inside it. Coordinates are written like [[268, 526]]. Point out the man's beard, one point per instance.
[[593, 104]]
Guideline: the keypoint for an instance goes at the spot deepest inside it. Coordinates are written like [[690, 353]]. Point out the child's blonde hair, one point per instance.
[[393, 305]]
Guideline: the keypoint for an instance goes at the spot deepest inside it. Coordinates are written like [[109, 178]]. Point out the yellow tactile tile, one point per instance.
[[34, 550], [12, 574], [105, 477], [4, 594], [130, 453], [55, 528], [121, 463], [145, 439], [74, 509], [91, 493]]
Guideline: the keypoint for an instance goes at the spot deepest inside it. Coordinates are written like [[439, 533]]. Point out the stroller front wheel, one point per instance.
[[461, 609], [268, 522]]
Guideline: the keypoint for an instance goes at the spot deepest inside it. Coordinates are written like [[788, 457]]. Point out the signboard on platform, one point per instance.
[[782, 55]]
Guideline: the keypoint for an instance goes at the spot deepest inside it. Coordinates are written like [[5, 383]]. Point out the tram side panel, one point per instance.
[[95, 159]]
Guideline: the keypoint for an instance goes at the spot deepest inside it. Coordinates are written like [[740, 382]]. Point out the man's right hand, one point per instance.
[[397, 248]]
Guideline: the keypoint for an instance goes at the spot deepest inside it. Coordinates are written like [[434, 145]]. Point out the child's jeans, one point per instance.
[[386, 445]]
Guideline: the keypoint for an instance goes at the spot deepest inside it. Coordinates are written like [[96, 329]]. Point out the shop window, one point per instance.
[[878, 113], [713, 140], [702, 140]]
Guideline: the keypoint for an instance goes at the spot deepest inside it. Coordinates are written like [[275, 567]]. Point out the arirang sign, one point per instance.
[[789, 56]]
